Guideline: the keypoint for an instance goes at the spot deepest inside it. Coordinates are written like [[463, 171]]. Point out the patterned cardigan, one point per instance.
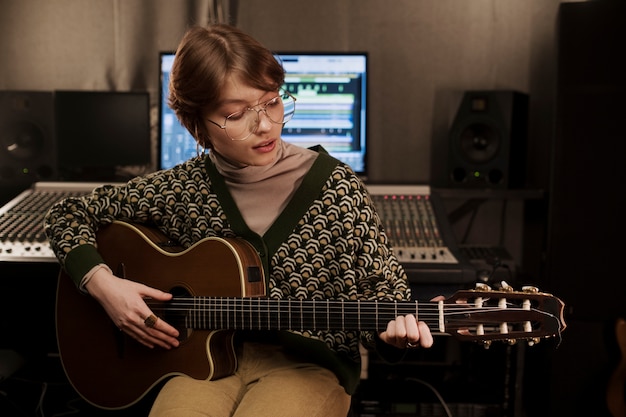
[[328, 243]]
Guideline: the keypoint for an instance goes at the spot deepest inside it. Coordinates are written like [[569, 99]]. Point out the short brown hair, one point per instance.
[[204, 58]]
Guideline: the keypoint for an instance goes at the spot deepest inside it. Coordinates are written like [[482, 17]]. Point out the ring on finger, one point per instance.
[[150, 321]]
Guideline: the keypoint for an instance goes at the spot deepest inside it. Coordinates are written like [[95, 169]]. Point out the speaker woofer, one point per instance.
[[479, 143], [23, 140]]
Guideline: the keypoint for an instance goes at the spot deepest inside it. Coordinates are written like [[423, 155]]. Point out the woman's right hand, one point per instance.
[[123, 300]]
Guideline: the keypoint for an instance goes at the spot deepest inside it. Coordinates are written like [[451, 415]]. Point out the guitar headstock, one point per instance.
[[484, 314]]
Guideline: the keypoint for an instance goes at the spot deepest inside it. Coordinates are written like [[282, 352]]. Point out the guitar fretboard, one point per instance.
[[491, 318]]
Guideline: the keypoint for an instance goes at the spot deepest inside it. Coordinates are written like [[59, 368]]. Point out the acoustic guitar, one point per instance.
[[219, 287], [616, 389]]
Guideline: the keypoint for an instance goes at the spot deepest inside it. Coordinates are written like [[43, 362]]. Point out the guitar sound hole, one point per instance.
[[177, 317]]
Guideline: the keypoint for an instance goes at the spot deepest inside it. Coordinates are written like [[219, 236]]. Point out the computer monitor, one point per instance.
[[100, 133], [331, 107]]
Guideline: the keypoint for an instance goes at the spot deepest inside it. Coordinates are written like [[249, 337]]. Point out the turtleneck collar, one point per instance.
[[262, 192], [249, 173]]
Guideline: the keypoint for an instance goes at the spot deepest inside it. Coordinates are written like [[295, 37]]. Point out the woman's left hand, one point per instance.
[[406, 332]]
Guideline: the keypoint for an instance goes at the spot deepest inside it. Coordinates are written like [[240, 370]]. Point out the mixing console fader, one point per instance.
[[418, 229]]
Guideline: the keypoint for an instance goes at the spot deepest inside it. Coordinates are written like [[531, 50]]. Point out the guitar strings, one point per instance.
[[237, 313], [317, 306]]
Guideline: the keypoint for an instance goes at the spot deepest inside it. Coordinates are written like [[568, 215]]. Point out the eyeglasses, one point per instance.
[[240, 125]]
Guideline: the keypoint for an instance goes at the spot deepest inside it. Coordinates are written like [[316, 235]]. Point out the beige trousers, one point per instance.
[[267, 384]]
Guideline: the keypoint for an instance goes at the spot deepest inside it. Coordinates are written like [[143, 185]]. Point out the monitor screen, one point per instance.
[[331, 107], [98, 133]]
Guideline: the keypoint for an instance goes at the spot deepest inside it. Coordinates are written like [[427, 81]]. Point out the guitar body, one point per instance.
[[616, 394], [97, 356]]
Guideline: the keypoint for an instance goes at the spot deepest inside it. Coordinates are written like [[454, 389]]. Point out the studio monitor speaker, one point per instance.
[[27, 139], [487, 141]]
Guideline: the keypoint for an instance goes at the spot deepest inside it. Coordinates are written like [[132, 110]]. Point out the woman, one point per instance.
[[307, 214]]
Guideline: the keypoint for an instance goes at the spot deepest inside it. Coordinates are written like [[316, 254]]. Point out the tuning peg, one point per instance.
[[506, 287], [486, 344], [533, 341], [511, 342], [530, 289], [480, 286]]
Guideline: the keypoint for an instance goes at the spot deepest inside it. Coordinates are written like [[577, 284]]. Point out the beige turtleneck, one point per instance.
[[262, 192]]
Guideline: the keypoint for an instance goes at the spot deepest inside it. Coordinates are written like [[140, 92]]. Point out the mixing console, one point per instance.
[[414, 220], [418, 228], [22, 238], [411, 225]]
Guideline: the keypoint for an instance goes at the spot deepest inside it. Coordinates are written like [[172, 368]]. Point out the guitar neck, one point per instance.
[[212, 313], [477, 321]]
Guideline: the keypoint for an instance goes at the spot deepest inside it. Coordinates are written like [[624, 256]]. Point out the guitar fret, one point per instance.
[[268, 320], [214, 319], [206, 317], [327, 313], [212, 315], [194, 315], [232, 314], [376, 303], [243, 316], [231, 320], [219, 323], [197, 318], [396, 310], [258, 308], [248, 302], [222, 316], [223, 324], [343, 324]]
